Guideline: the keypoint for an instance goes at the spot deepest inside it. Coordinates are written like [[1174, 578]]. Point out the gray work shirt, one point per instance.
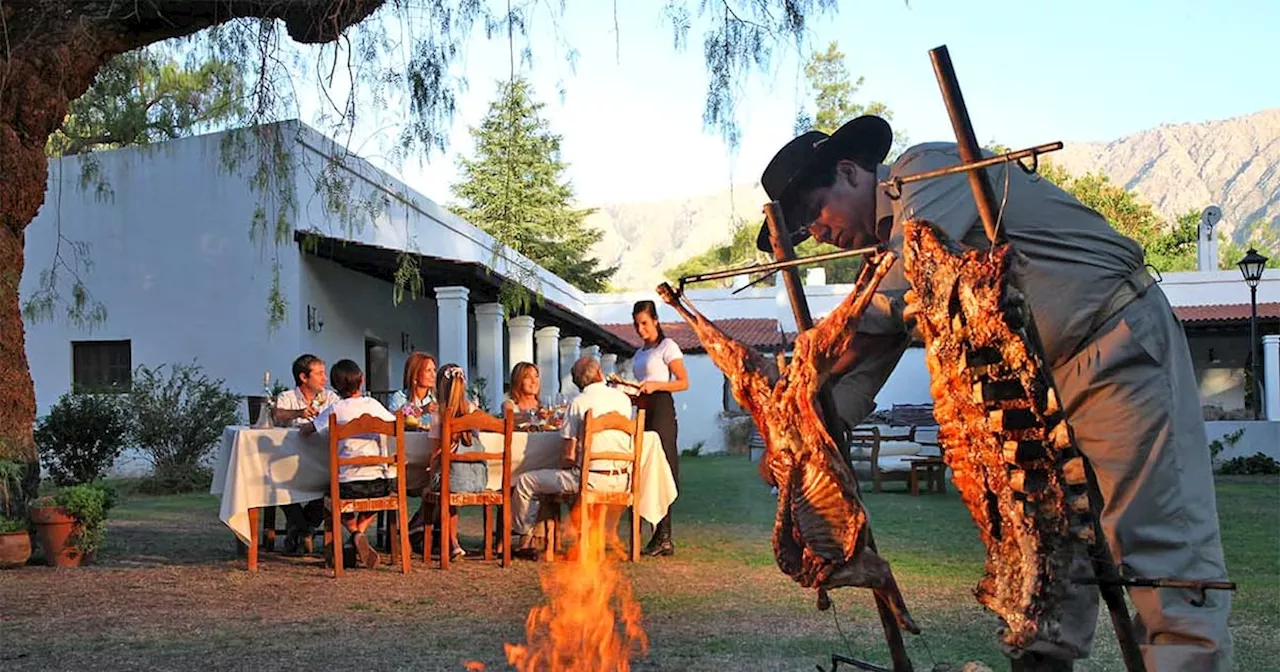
[[1067, 257]]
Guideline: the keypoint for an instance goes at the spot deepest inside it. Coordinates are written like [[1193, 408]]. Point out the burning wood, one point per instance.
[[1002, 429], [819, 534], [591, 622]]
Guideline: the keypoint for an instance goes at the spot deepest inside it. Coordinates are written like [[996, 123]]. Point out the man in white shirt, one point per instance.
[[294, 408], [300, 405], [596, 397]]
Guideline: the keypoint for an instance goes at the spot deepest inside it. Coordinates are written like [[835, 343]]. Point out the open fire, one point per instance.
[[590, 621]]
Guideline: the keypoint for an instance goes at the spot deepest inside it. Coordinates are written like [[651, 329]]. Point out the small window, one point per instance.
[[101, 366], [731, 406]]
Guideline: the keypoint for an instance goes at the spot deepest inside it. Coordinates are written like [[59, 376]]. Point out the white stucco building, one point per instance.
[[182, 280]]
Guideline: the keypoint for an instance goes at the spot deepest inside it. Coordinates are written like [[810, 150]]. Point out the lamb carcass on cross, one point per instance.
[[1003, 431], [819, 535]]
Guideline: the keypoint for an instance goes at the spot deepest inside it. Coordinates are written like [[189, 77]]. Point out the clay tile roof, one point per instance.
[[762, 333], [758, 332], [1226, 312]]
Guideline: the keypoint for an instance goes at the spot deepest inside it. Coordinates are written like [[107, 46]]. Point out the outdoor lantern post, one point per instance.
[[1251, 268]]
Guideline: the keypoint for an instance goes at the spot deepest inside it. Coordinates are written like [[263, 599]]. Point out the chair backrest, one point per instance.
[[593, 425], [477, 421], [866, 440], [366, 424]]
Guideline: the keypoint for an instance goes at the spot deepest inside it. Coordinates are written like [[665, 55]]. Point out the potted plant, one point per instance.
[[15, 538], [71, 525]]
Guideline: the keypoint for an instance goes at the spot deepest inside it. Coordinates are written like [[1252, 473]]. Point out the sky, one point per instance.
[[629, 109]]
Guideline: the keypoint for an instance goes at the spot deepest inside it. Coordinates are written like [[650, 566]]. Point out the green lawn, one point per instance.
[[169, 593]]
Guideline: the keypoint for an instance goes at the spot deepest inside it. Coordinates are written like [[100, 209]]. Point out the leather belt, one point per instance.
[[1133, 287]]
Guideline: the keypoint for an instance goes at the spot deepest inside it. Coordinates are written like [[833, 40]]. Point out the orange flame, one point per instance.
[[590, 622]]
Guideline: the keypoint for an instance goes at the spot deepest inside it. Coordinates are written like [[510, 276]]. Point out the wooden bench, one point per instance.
[[885, 452]]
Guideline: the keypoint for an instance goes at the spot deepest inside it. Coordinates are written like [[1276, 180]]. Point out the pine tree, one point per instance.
[[514, 189], [833, 93]]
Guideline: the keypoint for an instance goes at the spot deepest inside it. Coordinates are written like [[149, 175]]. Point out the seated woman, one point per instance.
[[526, 382], [417, 402], [417, 399], [463, 476]]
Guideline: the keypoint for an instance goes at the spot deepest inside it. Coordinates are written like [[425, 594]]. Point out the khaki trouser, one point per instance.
[[1131, 397], [524, 507]]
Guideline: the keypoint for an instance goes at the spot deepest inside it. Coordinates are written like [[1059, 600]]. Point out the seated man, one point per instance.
[[596, 397], [357, 482], [297, 407]]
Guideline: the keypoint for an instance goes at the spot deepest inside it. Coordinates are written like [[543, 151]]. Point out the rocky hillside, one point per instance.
[[1233, 162]]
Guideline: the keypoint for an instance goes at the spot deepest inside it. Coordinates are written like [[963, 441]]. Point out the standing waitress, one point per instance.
[[659, 368]]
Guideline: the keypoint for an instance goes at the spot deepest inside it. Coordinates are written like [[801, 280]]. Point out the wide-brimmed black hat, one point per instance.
[[864, 140]]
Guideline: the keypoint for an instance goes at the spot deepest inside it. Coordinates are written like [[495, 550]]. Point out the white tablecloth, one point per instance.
[[270, 467]]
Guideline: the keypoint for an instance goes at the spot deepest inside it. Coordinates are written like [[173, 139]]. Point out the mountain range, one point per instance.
[[1234, 163]]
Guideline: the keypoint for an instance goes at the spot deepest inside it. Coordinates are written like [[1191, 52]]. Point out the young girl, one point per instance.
[[463, 476]]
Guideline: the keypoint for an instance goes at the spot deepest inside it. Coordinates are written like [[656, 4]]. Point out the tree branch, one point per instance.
[[79, 145]]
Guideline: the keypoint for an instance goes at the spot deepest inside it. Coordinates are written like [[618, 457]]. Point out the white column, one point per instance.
[[570, 346], [451, 321], [592, 351], [489, 362], [1206, 257], [623, 367], [609, 362], [548, 343], [1271, 375], [520, 334]]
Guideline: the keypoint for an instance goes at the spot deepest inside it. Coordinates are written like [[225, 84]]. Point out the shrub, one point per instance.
[[178, 419], [737, 433], [82, 436], [170, 479], [477, 390], [11, 475], [1256, 464]]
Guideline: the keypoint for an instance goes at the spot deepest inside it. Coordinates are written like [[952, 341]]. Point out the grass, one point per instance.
[[168, 592]]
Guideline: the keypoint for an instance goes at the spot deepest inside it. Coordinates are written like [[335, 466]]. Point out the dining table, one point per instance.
[[266, 467]]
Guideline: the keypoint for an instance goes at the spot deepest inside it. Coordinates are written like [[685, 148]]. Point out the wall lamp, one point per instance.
[[314, 323]]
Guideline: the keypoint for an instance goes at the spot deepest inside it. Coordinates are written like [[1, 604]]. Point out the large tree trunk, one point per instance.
[[52, 51]]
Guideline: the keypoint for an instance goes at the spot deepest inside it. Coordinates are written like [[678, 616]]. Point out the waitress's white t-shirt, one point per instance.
[[654, 363]]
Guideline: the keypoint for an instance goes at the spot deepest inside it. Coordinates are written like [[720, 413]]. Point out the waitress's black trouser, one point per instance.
[[660, 417]]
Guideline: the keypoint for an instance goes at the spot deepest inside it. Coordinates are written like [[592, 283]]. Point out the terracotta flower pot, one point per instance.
[[15, 549], [53, 528]]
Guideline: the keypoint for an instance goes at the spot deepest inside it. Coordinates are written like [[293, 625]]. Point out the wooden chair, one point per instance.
[[586, 496], [444, 499], [367, 424], [869, 445]]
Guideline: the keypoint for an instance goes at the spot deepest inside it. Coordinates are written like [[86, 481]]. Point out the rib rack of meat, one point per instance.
[[1002, 429], [819, 535]]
